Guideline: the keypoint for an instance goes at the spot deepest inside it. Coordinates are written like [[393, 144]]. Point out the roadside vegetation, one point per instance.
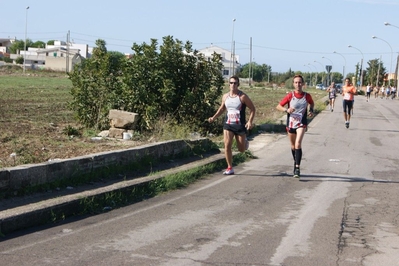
[[37, 124]]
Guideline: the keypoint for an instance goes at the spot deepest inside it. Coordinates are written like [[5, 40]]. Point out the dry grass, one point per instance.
[[35, 118]]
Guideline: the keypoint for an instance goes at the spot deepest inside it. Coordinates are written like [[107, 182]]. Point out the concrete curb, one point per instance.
[[43, 212], [18, 177]]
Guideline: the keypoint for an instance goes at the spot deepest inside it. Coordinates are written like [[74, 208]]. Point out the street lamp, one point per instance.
[[390, 68], [343, 73], [315, 72], [26, 29], [310, 74], [361, 65], [389, 24], [396, 70], [322, 68], [328, 70], [232, 48], [328, 59]]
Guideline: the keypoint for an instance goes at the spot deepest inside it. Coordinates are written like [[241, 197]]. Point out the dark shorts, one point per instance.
[[236, 129], [293, 130], [347, 106]]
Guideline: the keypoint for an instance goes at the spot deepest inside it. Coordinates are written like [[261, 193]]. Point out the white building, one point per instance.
[[229, 65], [59, 57]]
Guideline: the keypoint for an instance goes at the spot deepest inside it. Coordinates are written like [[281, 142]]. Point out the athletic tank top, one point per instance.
[[298, 117], [235, 110]]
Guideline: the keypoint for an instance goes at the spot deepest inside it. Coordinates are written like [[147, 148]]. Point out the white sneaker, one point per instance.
[[229, 171]]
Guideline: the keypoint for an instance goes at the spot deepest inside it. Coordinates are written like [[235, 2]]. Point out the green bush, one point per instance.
[[7, 59], [171, 80], [19, 60]]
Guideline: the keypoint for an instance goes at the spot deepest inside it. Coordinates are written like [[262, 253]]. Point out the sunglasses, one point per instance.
[[234, 83]]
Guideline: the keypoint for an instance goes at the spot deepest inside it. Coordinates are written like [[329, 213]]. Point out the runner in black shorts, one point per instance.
[[297, 111], [234, 123], [348, 91]]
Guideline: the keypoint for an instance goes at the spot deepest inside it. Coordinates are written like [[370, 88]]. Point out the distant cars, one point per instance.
[[338, 87], [319, 87]]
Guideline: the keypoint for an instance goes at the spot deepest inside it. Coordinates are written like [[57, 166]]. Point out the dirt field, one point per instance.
[[35, 118]]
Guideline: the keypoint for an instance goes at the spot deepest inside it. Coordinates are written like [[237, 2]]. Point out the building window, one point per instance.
[[225, 72]]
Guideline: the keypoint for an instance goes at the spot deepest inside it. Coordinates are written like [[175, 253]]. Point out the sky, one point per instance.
[[285, 34]]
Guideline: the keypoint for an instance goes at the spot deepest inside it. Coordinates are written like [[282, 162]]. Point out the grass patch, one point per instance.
[[124, 197]]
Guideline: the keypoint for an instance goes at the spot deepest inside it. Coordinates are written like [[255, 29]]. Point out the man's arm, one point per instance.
[[248, 102]]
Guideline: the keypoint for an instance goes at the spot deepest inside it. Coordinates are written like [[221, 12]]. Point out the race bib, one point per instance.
[[295, 120], [347, 96], [233, 117]]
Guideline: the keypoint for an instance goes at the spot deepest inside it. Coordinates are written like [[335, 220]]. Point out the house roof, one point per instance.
[[58, 49]]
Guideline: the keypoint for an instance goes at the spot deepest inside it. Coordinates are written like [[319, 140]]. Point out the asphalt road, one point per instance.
[[343, 210]]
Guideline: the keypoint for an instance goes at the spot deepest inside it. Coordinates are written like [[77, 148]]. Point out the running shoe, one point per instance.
[[297, 173], [246, 144], [347, 124], [229, 171]]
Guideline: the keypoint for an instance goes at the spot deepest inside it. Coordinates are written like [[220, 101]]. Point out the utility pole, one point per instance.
[[26, 30], [67, 51], [378, 73], [250, 60], [232, 51]]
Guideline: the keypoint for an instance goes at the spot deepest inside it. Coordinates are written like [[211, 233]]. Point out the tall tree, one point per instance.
[[97, 87], [375, 70], [257, 72], [39, 44], [19, 45]]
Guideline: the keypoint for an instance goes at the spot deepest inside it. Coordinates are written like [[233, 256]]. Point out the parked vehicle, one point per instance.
[[319, 86], [338, 87]]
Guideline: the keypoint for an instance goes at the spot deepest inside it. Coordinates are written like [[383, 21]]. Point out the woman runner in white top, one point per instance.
[[234, 124]]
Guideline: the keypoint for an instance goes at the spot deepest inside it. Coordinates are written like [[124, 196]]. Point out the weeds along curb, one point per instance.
[[28, 179], [92, 202]]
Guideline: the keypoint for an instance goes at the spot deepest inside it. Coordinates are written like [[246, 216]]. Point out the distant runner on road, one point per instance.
[[348, 90], [332, 94]]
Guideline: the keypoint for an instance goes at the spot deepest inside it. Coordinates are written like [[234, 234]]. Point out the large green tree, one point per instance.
[[374, 71], [19, 45], [97, 87], [39, 44], [257, 72], [173, 81]]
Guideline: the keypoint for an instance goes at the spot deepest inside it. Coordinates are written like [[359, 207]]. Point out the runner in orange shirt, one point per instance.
[[348, 90]]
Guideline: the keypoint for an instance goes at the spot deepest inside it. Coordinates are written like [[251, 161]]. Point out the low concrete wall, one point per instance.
[[18, 177]]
